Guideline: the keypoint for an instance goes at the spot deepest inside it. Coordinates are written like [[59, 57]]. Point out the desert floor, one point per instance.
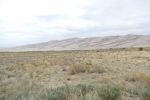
[[129, 68]]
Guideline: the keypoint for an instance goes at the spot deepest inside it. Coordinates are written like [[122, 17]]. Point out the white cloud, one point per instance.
[[30, 21]]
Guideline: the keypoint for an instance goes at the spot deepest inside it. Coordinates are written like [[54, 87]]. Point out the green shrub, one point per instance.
[[146, 94], [60, 93], [109, 92], [79, 92], [24, 95], [86, 92], [84, 88]]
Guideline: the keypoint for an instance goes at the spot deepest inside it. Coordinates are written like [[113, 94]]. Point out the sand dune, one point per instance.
[[89, 43]]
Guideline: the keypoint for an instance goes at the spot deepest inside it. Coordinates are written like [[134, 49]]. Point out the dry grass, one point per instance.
[[85, 67], [106, 79], [77, 68], [127, 67], [139, 77]]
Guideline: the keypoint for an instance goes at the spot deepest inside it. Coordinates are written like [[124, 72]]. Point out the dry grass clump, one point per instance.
[[106, 79], [141, 85], [77, 68], [27, 67], [138, 90], [139, 76], [142, 77], [122, 84], [25, 89], [85, 67], [95, 68]]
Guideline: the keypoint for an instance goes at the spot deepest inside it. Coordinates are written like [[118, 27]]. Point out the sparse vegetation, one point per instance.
[[79, 92], [44, 75], [77, 68], [146, 93], [60, 93], [138, 76], [83, 89], [82, 68], [109, 92]]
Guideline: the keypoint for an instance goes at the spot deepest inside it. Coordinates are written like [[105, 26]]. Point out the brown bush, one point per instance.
[[139, 76], [77, 68], [97, 69], [106, 79], [85, 67], [140, 49]]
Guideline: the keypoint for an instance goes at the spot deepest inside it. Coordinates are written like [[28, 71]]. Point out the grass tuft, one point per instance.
[[109, 92], [146, 93]]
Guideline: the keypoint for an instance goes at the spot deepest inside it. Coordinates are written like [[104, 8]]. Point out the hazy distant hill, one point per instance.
[[89, 43]]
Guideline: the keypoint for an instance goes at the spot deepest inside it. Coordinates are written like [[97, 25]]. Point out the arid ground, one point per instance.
[[22, 72]]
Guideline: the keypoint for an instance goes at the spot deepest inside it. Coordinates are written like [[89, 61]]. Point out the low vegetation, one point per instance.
[[85, 67], [109, 92], [115, 74], [79, 92], [146, 93]]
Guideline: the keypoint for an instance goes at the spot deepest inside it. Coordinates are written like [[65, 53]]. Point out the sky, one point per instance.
[[33, 21]]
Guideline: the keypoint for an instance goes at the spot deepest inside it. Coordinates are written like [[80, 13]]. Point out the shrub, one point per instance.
[[106, 79], [109, 92], [137, 76], [78, 92], [86, 92], [60, 93], [77, 68], [85, 67], [96, 69], [146, 94], [84, 88], [140, 49]]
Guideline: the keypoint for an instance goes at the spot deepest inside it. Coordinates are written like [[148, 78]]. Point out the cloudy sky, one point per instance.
[[30, 21]]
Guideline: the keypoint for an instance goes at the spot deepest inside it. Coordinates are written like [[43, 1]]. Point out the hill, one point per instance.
[[88, 43]]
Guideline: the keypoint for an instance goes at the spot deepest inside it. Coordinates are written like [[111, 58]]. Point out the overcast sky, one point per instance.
[[30, 21]]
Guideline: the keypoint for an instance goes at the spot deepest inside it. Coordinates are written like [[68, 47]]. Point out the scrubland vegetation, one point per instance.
[[114, 74]]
